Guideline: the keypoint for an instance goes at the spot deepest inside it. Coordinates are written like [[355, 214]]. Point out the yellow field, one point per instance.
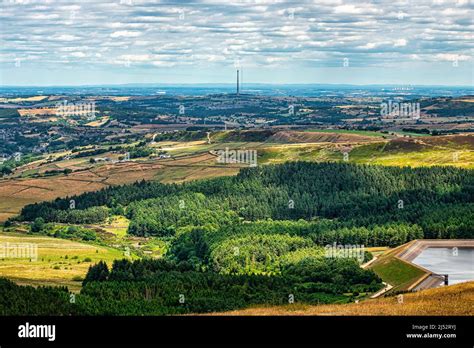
[[99, 122], [119, 99], [10, 206], [117, 226], [451, 300], [29, 99], [59, 262], [464, 100], [333, 137], [455, 151], [38, 111]]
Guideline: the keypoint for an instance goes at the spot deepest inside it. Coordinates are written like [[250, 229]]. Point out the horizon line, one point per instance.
[[232, 85]]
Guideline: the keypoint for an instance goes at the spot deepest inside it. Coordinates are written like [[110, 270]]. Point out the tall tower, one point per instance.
[[237, 81]]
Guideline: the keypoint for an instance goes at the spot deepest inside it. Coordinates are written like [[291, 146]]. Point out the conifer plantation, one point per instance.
[[260, 237]]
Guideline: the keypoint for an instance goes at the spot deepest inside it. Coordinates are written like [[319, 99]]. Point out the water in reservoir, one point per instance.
[[459, 265]]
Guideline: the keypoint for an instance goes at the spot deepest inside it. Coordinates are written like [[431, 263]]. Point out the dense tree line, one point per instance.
[[65, 232], [111, 197], [263, 234], [264, 213], [162, 217], [159, 287], [362, 194], [249, 223], [324, 232], [75, 216], [254, 253], [27, 300], [164, 287]]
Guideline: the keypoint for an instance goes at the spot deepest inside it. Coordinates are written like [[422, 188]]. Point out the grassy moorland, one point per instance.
[[59, 261], [349, 131], [457, 151], [451, 300], [192, 160]]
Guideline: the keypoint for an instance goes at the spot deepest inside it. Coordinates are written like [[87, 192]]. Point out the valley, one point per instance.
[[195, 160], [173, 214]]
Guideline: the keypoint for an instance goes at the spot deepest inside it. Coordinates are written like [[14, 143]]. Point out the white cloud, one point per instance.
[[451, 57], [66, 37], [163, 64], [135, 57], [400, 43], [78, 54], [261, 33], [125, 33]]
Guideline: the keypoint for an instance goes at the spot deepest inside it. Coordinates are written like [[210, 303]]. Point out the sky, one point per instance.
[[55, 42]]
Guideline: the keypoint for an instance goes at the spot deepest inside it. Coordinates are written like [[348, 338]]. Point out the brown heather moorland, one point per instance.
[[15, 193]]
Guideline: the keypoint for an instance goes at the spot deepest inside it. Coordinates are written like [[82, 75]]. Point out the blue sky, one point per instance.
[[54, 42]]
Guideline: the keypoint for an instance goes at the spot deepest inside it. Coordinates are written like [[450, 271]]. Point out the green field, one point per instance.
[[397, 273], [376, 153], [298, 152], [117, 225], [349, 131], [412, 157], [58, 262], [367, 133]]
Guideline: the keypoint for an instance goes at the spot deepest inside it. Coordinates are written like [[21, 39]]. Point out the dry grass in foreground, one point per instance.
[[452, 300]]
